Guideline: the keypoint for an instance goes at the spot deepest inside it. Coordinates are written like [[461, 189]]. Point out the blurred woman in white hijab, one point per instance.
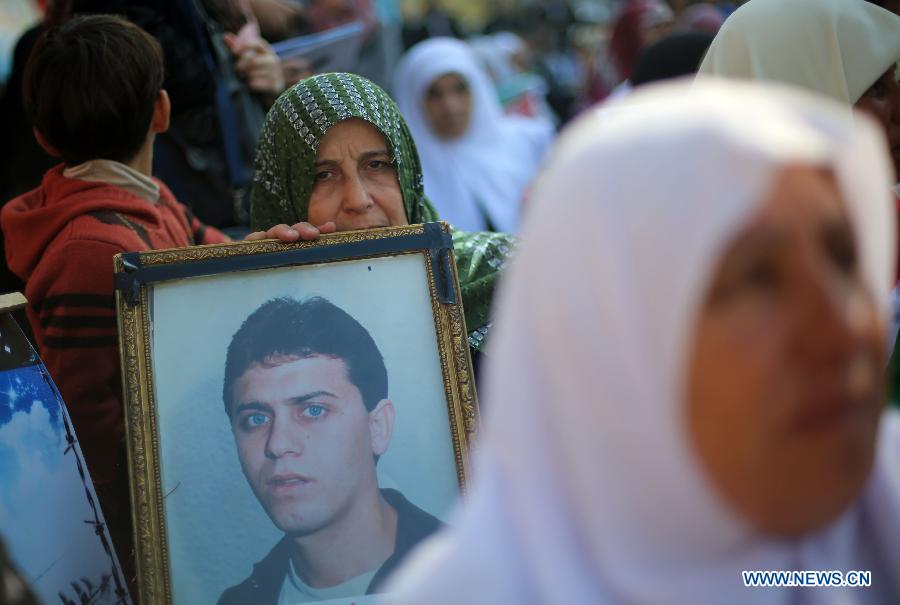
[[477, 162], [697, 391], [845, 49]]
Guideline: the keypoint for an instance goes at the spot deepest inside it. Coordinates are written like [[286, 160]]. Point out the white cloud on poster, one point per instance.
[[34, 444], [43, 508]]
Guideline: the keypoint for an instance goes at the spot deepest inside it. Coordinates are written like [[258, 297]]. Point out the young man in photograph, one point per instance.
[[306, 392]]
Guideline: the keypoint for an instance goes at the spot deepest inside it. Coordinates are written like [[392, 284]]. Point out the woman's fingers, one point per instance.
[[291, 233], [284, 233]]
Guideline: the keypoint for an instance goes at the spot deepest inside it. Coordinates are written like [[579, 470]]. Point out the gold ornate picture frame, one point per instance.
[[226, 461]]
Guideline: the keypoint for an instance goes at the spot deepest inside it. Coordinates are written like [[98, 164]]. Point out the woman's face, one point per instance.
[[448, 106], [784, 385], [882, 101], [355, 180]]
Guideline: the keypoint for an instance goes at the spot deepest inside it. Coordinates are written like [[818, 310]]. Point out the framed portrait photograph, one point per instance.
[[298, 415]]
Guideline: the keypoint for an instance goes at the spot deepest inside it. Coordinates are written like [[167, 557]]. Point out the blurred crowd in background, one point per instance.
[[539, 62], [547, 60]]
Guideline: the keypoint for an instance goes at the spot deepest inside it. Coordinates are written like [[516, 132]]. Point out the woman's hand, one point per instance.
[[292, 233], [256, 63]]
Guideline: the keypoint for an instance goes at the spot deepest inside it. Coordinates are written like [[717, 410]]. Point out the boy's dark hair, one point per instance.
[[285, 327], [90, 86]]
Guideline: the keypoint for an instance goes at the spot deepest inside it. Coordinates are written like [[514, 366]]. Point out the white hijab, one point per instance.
[[588, 490], [835, 47], [496, 53], [486, 171]]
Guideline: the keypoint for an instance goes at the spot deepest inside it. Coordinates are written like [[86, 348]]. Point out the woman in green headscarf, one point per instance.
[[319, 178]]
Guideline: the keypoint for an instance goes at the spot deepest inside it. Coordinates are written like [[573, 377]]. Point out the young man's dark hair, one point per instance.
[[90, 85], [286, 328]]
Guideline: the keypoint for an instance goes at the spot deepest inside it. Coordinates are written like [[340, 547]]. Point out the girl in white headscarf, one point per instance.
[[477, 162], [696, 390]]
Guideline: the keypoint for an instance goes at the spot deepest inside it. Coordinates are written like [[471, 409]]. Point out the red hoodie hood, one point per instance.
[[32, 221]]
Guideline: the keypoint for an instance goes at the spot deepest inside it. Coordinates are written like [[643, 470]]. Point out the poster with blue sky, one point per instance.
[[50, 521]]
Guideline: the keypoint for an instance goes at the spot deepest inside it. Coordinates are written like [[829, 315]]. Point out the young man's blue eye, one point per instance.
[[314, 411], [255, 420]]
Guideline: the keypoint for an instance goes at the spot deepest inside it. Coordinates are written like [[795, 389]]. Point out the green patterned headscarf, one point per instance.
[[284, 171]]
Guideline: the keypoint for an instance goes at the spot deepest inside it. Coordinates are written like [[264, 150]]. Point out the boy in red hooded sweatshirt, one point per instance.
[[93, 92]]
